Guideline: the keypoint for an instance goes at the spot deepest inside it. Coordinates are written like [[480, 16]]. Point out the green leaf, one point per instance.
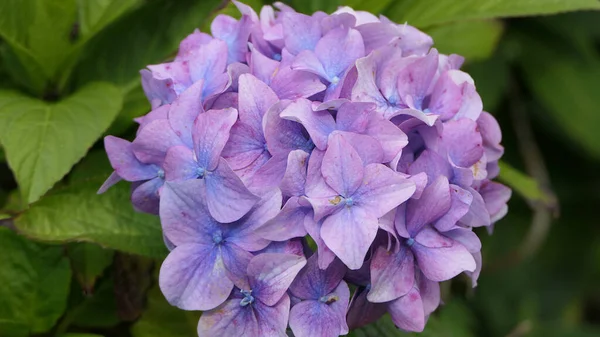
[[474, 40], [77, 213], [94, 15], [43, 140], [566, 84], [523, 184], [97, 310], [35, 285], [135, 104], [38, 32], [161, 319], [425, 13], [145, 36], [375, 7], [79, 335], [89, 261]]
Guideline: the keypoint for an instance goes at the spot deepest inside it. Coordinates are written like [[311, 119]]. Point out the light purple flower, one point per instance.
[[227, 197], [263, 307], [324, 300], [210, 257], [350, 198]]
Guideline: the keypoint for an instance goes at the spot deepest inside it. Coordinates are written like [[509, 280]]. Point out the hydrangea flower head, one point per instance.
[[346, 129]]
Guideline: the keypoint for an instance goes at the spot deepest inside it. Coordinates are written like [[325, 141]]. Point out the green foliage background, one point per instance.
[[76, 264]]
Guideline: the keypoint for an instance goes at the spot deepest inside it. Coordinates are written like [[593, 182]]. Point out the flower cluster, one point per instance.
[[347, 131]]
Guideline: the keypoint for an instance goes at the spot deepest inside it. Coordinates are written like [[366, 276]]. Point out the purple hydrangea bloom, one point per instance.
[[293, 157]]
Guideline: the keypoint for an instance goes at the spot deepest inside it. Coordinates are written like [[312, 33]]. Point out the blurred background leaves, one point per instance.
[[75, 264]]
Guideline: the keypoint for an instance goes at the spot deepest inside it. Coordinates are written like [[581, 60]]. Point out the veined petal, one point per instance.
[[441, 264], [184, 110], [229, 319], [124, 162], [145, 196], [349, 233], [294, 179], [227, 197], [288, 223], [211, 132], [255, 99], [434, 202], [312, 283], [180, 164], [382, 190], [460, 202], [193, 277], [338, 50], [392, 274], [271, 274], [151, 144], [244, 146], [342, 167]]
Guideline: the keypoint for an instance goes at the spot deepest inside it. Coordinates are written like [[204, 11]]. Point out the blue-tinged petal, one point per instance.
[[124, 162], [432, 164], [293, 246], [184, 215], [368, 148], [234, 33], [158, 91], [184, 110], [338, 50], [180, 164], [151, 144], [308, 61], [270, 275], [349, 233], [300, 31], [193, 277], [392, 274], [210, 134], [191, 44], [227, 197], [283, 136], [235, 260], [414, 80]]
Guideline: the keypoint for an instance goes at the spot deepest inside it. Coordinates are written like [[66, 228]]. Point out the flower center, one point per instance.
[[160, 173], [277, 57], [328, 299], [410, 242], [248, 298], [200, 172], [335, 80], [217, 237], [349, 202]]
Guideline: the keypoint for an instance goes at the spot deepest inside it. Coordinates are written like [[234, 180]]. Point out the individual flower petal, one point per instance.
[[296, 22], [288, 223], [124, 162], [407, 312], [210, 134], [382, 189], [441, 264], [342, 167], [227, 197], [179, 164], [392, 274], [460, 202], [184, 111], [193, 277], [151, 144], [462, 142], [434, 202], [294, 179], [234, 33], [145, 195], [230, 319], [478, 215], [255, 99], [236, 260], [322, 318], [271, 274], [362, 312], [312, 282], [319, 124], [349, 234]]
